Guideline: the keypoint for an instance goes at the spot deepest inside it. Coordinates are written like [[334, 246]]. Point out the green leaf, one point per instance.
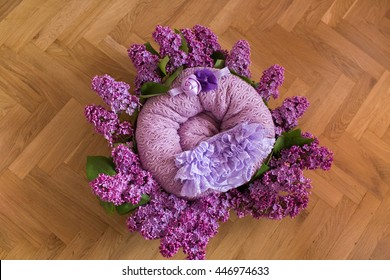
[[128, 207], [184, 44], [150, 95], [109, 207], [218, 55], [162, 65], [150, 48], [219, 63], [173, 76], [289, 139], [264, 168], [99, 164], [150, 89], [246, 79]]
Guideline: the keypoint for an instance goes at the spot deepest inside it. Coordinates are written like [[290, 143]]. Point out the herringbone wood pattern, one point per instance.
[[336, 52]]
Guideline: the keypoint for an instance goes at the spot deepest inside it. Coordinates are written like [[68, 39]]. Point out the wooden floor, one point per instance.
[[336, 52]]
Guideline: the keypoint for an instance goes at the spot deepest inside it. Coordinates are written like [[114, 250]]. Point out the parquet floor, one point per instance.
[[336, 52]]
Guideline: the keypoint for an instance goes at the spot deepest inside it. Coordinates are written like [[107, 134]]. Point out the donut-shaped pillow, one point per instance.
[[215, 140]]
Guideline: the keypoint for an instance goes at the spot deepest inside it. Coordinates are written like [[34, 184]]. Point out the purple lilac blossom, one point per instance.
[[170, 43], [115, 94], [180, 223], [286, 116], [195, 226], [153, 219], [139, 181], [146, 64], [107, 123], [309, 156], [272, 78], [196, 54], [238, 59], [109, 188], [208, 37], [125, 160], [281, 192], [130, 182], [224, 161], [202, 42]]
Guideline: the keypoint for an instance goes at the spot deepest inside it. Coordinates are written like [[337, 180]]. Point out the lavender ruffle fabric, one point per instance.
[[224, 161]]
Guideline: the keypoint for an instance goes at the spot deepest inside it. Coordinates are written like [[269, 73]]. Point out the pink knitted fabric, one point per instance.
[[169, 125]]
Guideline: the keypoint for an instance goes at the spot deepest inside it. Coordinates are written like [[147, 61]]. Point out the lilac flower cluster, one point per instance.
[[109, 188], [196, 54], [202, 42], [180, 223], [153, 219], [130, 182], [272, 78], [286, 116], [310, 156], [238, 59], [194, 227], [146, 64], [115, 94], [170, 43], [208, 37], [107, 124], [283, 190]]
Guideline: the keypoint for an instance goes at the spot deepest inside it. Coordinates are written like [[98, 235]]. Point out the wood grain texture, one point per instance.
[[336, 52]]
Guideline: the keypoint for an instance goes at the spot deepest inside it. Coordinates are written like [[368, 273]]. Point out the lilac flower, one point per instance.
[[107, 123], [310, 156], [272, 78], [153, 219], [286, 116], [180, 223], [139, 181], [196, 55], [115, 94], [170, 44], [109, 188], [146, 64], [202, 42], [125, 160], [238, 59], [195, 226], [208, 37], [282, 191]]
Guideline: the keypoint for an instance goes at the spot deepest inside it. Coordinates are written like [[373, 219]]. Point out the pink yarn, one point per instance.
[[170, 125]]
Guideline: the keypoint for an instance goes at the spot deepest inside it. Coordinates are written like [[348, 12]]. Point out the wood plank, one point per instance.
[[33, 153], [337, 12], [374, 108], [71, 12], [349, 108], [355, 228], [33, 23]]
